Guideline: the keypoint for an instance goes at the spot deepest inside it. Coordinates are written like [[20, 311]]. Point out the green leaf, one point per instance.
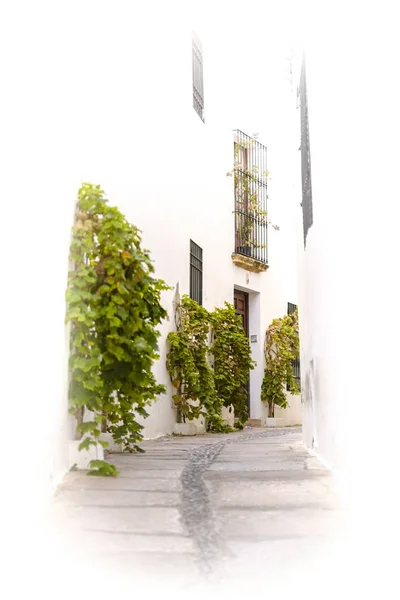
[[100, 468], [87, 427], [86, 443]]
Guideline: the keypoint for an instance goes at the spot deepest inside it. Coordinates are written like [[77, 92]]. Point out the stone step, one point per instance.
[[253, 422]]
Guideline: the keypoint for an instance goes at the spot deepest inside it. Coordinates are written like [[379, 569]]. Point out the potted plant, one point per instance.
[[281, 349]]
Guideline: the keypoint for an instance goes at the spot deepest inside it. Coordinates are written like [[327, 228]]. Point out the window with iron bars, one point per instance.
[[295, 363], [196, 273], [250, 175], [305, 156], [198, 85]]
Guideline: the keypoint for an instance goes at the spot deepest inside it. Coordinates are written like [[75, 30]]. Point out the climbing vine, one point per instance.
[[247, 183], [232, 360], [189, 368], [201, 389], [113, 305], [281, 349]]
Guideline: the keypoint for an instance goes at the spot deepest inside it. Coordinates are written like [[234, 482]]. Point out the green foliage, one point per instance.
[[100, 468], [281, 349], [200, 389], [188, 367], [247, 183], [113, 305], [232, 360]]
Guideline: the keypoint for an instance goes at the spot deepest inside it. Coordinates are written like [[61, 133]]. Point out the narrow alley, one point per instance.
[[200, 234], [234, 508]]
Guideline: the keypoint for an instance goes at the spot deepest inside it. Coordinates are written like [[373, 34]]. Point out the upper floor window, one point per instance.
[[305, 156], [198, 86], [196, 273], [250, 181]]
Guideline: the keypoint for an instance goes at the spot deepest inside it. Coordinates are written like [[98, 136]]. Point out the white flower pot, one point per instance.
[[80, 459], [200, 429], [228, 416], [273, 422], [185, 429], [112, 446]]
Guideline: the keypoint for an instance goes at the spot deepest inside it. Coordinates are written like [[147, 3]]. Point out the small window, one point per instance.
[[306, 203], [196, 273], [198, 86], [291, 308]]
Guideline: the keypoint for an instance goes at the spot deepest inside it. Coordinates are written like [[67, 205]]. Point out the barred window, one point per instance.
[[198, 86], [196, 273], [291, 308], [250, 184], [305, 157]]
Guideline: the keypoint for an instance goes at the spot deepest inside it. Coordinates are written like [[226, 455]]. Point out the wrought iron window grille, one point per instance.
[[295, 363], [198, 83], [250, 209], [196, 273], [307, 205]]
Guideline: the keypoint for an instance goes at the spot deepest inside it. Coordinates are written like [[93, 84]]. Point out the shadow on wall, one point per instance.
[[309, 429]]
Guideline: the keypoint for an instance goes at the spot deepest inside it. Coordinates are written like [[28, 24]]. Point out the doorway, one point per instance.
[[241, 304]]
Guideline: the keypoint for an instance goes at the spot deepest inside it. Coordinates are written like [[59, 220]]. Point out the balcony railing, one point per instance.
[[250, 175]]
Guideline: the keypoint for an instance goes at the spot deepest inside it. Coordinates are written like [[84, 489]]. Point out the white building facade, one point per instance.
[[122, 113], [348, 258]]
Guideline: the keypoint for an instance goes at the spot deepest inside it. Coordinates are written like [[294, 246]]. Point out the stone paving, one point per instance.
[[243, 507]]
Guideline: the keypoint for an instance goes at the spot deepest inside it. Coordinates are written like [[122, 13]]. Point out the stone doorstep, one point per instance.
[[253, 423]]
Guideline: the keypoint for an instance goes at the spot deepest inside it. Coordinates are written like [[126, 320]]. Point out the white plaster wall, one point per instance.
[[191, 197], [348, 271], [106, 97], [271, 115], [293, 414]]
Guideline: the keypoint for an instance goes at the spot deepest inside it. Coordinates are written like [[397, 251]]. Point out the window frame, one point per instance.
[[291, 308], [306, 203], [198, 76], [196, 273]]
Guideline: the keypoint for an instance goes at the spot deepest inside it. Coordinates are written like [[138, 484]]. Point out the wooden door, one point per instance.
[[241, 304]]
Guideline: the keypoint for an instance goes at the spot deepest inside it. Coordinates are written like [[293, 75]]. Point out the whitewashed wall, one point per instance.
[[348, 295], [105, 96]]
